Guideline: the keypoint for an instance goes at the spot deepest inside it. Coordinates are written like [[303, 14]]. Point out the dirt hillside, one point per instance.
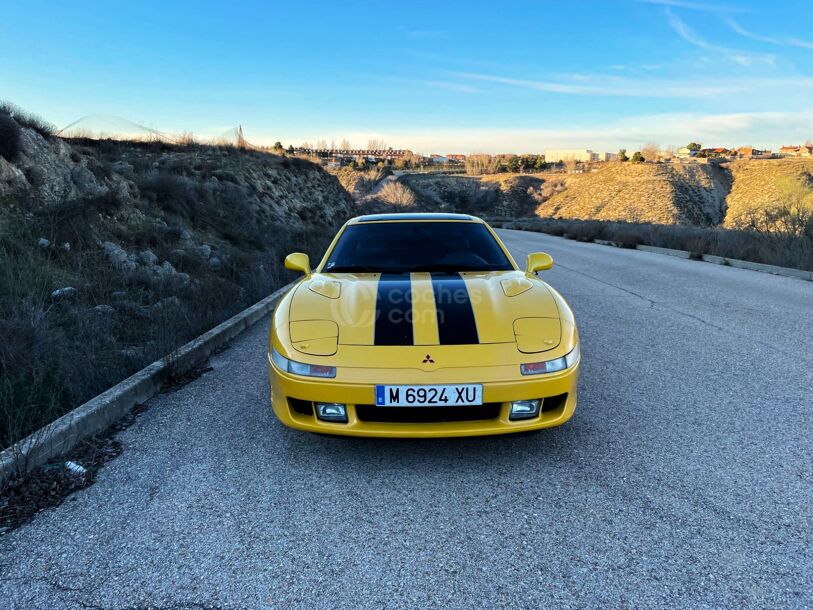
[[758, 185], [112, 254], [645, 192]]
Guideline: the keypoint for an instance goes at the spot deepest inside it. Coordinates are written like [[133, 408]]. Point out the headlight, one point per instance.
[[551, 366], [300, 368]]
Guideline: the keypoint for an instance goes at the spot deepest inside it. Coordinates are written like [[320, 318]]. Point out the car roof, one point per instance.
[[413, 216]]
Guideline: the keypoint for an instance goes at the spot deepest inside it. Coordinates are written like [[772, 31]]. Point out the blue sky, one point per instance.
[[441, 76]]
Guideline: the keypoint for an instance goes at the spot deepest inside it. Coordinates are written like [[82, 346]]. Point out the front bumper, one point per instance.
[[289, 393]]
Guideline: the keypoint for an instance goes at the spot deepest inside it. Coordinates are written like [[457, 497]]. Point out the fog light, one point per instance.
[[331, 411], [524, 409]]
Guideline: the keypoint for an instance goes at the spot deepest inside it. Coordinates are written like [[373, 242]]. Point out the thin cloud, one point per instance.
[[614, 86], [785, 42], [742, 58], [695, 6]]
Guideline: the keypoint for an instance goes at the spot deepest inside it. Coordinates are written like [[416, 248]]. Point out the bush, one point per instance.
[[9, 137], [28, 120]]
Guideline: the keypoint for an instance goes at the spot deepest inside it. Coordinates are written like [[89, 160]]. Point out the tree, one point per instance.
[[539, 162], [693, 146], [637, 157], [651, 151], [513, 164], [376, 145], [291, 149], [622, 155], [277, 146], [345, 144], [477, 165]]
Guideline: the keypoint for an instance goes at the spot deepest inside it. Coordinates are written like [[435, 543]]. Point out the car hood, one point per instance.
[[366, 309]]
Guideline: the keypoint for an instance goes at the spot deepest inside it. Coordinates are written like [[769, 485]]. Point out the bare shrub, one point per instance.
[[396, 193], [651, 151]]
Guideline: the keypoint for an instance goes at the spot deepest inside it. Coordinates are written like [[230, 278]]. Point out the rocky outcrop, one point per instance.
[[49, 172]]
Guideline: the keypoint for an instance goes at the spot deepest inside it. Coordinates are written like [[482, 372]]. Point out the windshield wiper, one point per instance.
[[451, 268], [352, 269]]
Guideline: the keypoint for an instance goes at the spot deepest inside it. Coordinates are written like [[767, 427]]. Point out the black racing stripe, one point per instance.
[[393, 310], [456, 324]]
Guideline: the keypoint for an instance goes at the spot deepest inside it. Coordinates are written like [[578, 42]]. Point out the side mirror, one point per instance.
[[298, 261], [538, 261]]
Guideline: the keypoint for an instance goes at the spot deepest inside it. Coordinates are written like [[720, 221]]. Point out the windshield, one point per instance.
[[400, 247]]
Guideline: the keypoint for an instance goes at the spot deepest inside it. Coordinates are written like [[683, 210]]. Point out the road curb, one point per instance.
[[709, 258], [666, 251], [733, 262], [94, 416]]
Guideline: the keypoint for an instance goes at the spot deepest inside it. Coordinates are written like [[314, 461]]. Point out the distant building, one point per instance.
[[685, 153], [457, 158], [581, 155], [715, 153], [748, 152], [796, 151], [439, 159], [343, 155]]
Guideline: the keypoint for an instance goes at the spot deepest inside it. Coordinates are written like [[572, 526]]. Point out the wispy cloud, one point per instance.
[[742, 58], [610, 86], [787, 42], [695, 6], [597, 84]]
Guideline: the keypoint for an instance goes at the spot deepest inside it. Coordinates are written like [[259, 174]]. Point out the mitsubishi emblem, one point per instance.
[[428, 359]]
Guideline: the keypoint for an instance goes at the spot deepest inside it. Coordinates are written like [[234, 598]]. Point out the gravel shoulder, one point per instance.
[[684, 479]]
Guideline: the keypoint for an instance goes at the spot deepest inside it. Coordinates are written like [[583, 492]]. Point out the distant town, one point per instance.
[[563, 159]]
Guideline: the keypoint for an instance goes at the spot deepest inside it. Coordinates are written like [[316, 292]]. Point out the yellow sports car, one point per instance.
[[422, 325]]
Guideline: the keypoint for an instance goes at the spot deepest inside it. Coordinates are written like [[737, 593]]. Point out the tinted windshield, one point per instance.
[[416, 246]]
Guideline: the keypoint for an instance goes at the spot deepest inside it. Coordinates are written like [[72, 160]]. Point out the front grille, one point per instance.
[[427, 415]]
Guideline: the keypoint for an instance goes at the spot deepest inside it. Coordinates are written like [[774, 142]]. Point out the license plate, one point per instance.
[[428, 395]]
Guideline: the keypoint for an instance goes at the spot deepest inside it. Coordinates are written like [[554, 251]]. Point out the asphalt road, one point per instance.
[[684, 479]]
